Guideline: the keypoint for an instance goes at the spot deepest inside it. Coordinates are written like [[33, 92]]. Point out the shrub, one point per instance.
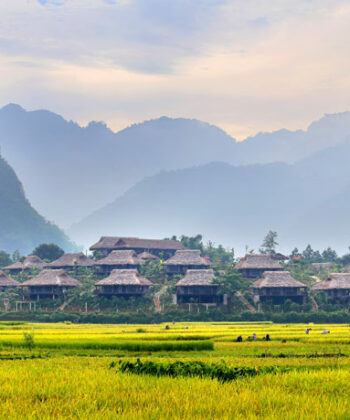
[[221, 371]]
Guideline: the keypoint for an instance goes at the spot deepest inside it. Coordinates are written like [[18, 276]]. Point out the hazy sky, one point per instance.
[[245, 65]]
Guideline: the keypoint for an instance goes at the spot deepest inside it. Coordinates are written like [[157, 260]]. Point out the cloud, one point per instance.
[[51, 2], [246, 66]]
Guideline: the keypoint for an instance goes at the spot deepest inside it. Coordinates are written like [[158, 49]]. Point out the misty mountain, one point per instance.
[[69, 171], [237, 205], [21, 227]]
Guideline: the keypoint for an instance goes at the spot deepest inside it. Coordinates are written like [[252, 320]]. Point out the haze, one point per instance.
[[244, 66]]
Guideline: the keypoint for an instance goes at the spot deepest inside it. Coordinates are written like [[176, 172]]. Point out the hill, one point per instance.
[[237, 205], [21, 227], [60, 162]]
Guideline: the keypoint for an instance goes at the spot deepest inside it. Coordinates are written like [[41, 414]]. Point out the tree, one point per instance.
[[329, 255], [49, 252], [295, 253], [192, 242], [310, 255], [270, 243], [5, 259], [16, 256]]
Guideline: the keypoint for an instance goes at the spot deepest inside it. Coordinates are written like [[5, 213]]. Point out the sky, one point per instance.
[[244, 65]]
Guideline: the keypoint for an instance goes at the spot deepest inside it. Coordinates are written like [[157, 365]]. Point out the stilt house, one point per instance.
[[49, 284], [336, 287], [254, 265], [32, 261], [278, 286], [118, 260], [198, 287], [71, 260], [183, 260], [161, 247], [124, 283], [7, 283]]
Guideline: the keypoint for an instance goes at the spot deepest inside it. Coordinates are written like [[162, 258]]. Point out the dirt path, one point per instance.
[[156, 299], [314, 303], [245, 302]]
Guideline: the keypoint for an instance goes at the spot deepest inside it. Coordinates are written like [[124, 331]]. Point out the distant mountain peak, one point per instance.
[[12, 107]]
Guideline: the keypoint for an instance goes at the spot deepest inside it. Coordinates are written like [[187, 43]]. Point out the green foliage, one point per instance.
[[48, 252], [269, 244], [195, 368], [5, 259], [192, 242], [28, 338], [231, 282], [16, 256]]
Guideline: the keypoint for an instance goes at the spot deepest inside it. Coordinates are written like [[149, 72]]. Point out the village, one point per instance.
[[151, 274]]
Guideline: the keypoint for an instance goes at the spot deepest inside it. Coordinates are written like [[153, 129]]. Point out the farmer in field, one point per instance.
[[239, 339], [254, 337], [325, 332], [307, 331], [267, 338]]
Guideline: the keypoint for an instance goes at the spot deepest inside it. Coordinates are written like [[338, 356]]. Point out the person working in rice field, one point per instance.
[[267, 338], [254, 337], [239, 339]]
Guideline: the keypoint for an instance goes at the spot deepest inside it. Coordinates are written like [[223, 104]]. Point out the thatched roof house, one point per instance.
[[147, 256], [277, 286], [187, 259], [119, 260], [71, 260], [6, 282], [254, 265], [32, 261], [50, 283], [126, 283], [158, 247], [198, 286], [326, 266], [337, 285]]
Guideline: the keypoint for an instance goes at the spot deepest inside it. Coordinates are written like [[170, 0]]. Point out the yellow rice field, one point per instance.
[[72, 379]]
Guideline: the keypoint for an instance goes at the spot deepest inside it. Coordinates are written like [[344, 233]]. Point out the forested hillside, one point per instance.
[[21, 227]]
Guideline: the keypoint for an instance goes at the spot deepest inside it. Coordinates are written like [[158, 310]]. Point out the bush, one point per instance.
[[222, 372]]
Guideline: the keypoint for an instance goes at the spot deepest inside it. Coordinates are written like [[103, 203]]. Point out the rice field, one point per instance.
[[67, 374]]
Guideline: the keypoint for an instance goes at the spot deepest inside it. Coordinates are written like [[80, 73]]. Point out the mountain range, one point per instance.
[[172, 176], [82, 169]]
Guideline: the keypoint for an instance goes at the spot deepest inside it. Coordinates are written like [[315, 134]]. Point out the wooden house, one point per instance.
[[319, 267], [277, 287], [32, 261], [160, 247], [187, 259], [71, 260], [118, 260], [198, 287], [123, 283], [336, 287], [49, 284], [252, 266], [7, 283]]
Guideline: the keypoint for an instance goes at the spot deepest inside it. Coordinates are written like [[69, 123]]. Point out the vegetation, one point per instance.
[[219, 371], [48, 252], [21, 227], [270, 243]]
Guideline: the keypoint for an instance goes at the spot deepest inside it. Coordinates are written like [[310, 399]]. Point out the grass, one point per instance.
[[67, 374]]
